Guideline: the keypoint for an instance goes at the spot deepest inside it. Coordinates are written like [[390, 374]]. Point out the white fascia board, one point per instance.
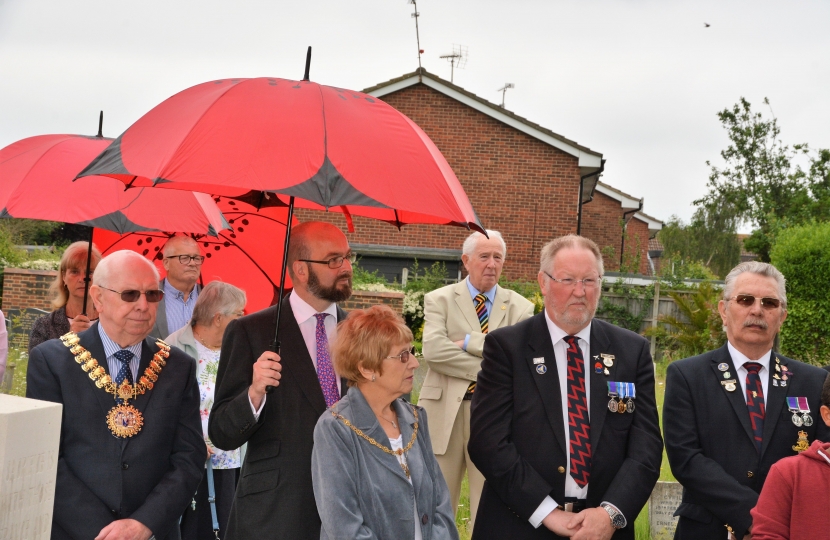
[[653, 224], [585, 159], [625, 202]]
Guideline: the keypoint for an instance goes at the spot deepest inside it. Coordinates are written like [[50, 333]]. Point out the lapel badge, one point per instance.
[[727, 375], [776, 376], [775, 382], [723, 366], [596, 357], [783, 383], [777, 368], [729, 385], [541, 369], [802, 443], [607, 359], [539, 360], [503, 307], [598, 368]]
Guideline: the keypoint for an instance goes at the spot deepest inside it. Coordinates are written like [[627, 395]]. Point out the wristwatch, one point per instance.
[[617, 519]]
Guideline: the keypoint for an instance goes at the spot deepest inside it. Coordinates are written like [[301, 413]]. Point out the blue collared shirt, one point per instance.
[[177, 311], [111, 347], [488, 304]]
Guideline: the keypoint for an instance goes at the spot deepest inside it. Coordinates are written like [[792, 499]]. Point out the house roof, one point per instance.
[[629, 202], [589, 160]]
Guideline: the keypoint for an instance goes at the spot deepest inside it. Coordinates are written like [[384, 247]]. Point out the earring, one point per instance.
[[373, 377]]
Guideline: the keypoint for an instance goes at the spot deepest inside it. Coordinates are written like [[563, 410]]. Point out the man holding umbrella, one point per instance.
[[275, 498]]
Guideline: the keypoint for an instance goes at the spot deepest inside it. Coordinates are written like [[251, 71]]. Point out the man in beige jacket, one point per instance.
[[457, 318]]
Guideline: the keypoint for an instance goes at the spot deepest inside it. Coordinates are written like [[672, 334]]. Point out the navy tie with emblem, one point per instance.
[[124, 372], [579, 427], [755, 402]]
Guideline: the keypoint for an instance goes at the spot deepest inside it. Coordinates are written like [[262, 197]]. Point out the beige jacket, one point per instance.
[[449, 316]]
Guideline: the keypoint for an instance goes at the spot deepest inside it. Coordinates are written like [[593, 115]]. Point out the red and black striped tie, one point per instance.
[[755, 402], [579, 427]]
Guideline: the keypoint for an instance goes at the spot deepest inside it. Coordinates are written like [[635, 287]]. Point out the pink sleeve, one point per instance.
[[771, 516]]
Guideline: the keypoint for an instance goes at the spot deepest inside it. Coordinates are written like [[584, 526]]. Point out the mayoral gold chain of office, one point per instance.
[[123, 419]]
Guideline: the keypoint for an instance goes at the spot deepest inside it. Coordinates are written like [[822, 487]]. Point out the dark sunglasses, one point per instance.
[[404, 356], [747, 300], [133, 296]]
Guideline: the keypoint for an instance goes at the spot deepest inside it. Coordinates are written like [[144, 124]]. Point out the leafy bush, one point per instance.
[[802, 254]]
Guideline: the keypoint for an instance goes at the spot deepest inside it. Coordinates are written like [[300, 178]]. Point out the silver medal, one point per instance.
[[797, 420], [613, 406], [807, 419], [629, 405]]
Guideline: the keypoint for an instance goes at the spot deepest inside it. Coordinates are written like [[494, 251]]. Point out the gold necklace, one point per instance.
[[394, 425], [204, 343], [124, 420], [370, 440]]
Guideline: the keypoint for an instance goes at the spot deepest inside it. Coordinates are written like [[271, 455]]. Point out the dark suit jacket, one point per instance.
[[710, 445], [518, 439], [160, 329], [275, 497], [150, 477]]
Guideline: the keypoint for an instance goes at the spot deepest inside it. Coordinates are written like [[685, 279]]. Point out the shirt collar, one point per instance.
[[491, 294], [557, 334], [303, 311], [111, 347], [739, 358]]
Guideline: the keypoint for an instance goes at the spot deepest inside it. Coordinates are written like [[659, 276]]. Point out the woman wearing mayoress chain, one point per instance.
[[372, 466]]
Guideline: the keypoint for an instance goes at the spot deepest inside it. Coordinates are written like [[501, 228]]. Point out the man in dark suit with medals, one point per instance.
[[731, 413], [275, 497], [131, 450], [564, 421]]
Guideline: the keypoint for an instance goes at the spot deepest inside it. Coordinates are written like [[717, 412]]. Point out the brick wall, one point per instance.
[[517, 184], [366, 299], [602, 223], [27, 288]]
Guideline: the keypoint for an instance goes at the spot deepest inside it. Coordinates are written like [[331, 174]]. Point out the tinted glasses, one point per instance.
[[133, 296], [747, 300], [404, 355]]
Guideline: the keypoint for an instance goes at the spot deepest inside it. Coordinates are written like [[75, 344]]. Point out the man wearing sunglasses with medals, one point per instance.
[[131, 451], [731, 413]]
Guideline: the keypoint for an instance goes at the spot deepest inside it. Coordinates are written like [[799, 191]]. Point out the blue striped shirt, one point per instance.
[[177, 311], [111, 347]]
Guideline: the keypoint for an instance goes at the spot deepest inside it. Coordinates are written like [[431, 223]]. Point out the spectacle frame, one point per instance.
[[404, 355], [334, 262], [185, 259], [133, 295], [588, 283], [748, 300]]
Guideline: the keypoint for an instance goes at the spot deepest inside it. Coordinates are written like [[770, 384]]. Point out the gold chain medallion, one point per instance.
[[124, 420]]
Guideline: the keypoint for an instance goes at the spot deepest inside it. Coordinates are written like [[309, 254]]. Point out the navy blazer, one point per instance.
[[149, 477], [710, 444]]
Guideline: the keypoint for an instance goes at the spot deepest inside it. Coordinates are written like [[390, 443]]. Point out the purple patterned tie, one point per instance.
[[755, 402], [325, 371]]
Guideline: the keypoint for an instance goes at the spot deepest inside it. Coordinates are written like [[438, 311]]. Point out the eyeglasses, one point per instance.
[[747, 300], [404, 356], [335, 262], [185, 259], [570, 283], [133, 295]]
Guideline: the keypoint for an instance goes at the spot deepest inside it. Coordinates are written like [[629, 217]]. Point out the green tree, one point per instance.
[[763, 179]]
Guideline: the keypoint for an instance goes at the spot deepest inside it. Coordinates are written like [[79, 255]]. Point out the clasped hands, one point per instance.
[[589, 524]]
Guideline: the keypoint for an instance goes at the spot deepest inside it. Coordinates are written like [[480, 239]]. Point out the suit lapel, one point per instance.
[[465, 304], [344, 384], [540, 346], [775, 398], [598, 408], [148, 350], [499, 308], [736, 398], [365, 420], [298, 362], [91, 341]]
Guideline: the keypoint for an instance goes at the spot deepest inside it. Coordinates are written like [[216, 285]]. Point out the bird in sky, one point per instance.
[[706, 24]]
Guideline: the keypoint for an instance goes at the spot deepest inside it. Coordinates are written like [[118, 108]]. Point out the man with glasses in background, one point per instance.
[[729, 414], [274, 497], [564, 422], [131, 449], [183, 264]]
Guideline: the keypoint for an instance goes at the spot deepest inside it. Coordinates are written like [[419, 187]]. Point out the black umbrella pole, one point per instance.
[[87, 279], [275, 346]]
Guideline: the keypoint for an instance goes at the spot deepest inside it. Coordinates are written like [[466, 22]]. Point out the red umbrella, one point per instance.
[[36, 182], [243, 257]]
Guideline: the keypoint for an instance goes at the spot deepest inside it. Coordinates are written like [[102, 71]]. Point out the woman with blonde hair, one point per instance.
[[68, 297], [372, 466]]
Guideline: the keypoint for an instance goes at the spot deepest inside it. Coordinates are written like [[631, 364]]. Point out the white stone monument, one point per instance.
[[30, 433], [663, 502]]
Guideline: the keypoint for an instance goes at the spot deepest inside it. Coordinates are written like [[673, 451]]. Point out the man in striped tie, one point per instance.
[[559, 458], [458, 317], [726, 416]]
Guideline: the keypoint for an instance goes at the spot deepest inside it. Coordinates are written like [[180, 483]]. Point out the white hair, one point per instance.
[[469, 246], [115, 262], [217, 297], [755, 267]]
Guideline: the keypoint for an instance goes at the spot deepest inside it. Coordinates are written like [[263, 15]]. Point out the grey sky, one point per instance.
[[639, 81]]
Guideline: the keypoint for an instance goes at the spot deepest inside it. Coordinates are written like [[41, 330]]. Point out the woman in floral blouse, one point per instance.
[[218, 304]]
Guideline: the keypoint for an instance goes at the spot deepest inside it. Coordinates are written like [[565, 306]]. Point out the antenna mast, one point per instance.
[[457, 58], [415, 16], [503, 91]]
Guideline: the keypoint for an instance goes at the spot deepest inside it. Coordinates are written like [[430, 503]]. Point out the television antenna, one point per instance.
[[503, 91], [458, 58], [415, 16]]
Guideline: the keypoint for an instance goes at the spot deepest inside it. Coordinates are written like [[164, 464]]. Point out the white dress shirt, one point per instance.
[[739, 359], [304, 315]]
